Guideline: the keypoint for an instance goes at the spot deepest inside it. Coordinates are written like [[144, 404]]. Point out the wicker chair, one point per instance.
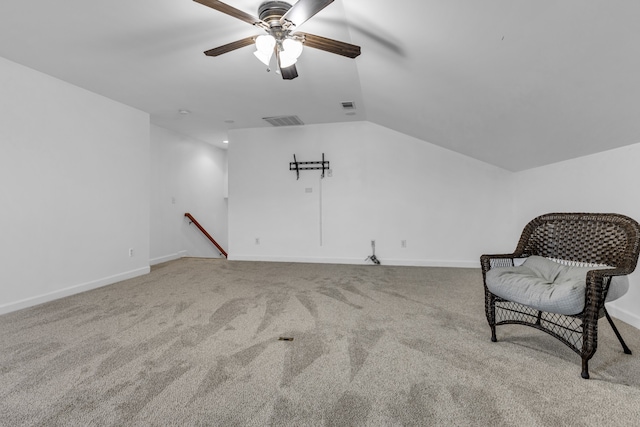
[[578, 239]]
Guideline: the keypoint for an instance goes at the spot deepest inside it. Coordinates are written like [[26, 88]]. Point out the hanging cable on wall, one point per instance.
[[320, 205], [322, 165]]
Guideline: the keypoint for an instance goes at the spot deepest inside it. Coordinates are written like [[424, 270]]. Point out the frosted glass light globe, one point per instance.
[[265, 43], [292, 48]]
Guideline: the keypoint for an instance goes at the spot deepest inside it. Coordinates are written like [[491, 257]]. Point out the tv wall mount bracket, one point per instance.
[[305, 166]]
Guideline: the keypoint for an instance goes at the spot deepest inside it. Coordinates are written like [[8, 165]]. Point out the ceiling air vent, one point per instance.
[[284, 120], [350, 105]]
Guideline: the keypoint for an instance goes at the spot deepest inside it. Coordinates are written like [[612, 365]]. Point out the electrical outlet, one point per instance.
[[257, 240], [403, 243], [130, 252], [308, 190], [329, 173], [173, 200]]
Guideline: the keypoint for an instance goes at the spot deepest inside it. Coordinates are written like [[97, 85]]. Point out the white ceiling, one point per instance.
[[515, 83]]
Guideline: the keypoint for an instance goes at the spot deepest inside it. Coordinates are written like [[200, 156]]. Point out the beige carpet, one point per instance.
[[195, 343]]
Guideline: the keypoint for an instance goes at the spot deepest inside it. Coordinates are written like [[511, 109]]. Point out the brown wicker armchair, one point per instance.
[[578, 239]]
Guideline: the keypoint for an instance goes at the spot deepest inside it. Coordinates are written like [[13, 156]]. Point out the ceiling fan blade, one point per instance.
[[216, 51], [289, 73], [232, 11], [330, 45], [303, 10]]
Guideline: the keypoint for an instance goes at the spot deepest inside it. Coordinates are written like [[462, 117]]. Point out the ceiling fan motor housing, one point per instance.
[[271, 12]]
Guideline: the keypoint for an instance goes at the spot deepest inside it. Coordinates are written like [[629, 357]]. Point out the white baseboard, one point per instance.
[[296, 259], [627, 317], [432, 263], [358, 261], [167, 258], [61, 293]]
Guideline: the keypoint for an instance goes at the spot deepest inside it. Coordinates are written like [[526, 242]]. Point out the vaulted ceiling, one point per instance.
[[515, 83]]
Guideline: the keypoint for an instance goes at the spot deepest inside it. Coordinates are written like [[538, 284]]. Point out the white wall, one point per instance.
[[385, 186], [604, 182], [74, 185], [187, 175], [74, 178]]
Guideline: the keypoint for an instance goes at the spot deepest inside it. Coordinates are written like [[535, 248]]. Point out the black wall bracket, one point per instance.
[[304, 166]]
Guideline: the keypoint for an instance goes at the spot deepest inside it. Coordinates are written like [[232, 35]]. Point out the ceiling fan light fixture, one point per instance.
[[292, 48], [286, 60], [264, 48], [291, 51], [265, 58], [265, 43]]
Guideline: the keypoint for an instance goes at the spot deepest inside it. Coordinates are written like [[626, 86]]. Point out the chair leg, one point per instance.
[[613, 326], [490, 311], [585, 368]]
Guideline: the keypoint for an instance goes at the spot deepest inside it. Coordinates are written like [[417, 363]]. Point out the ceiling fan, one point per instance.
[[279, 19]]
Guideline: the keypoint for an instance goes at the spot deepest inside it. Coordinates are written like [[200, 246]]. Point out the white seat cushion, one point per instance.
[[548, 285]]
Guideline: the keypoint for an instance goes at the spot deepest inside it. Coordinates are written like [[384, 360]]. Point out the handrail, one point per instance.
[[193, 220]]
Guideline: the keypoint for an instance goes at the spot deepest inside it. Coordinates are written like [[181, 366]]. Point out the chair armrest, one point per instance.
[[487, 262], [597, 278], [597, 287]]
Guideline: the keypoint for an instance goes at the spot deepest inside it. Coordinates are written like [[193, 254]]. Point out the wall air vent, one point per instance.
[[349, 105], [284, 120]]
